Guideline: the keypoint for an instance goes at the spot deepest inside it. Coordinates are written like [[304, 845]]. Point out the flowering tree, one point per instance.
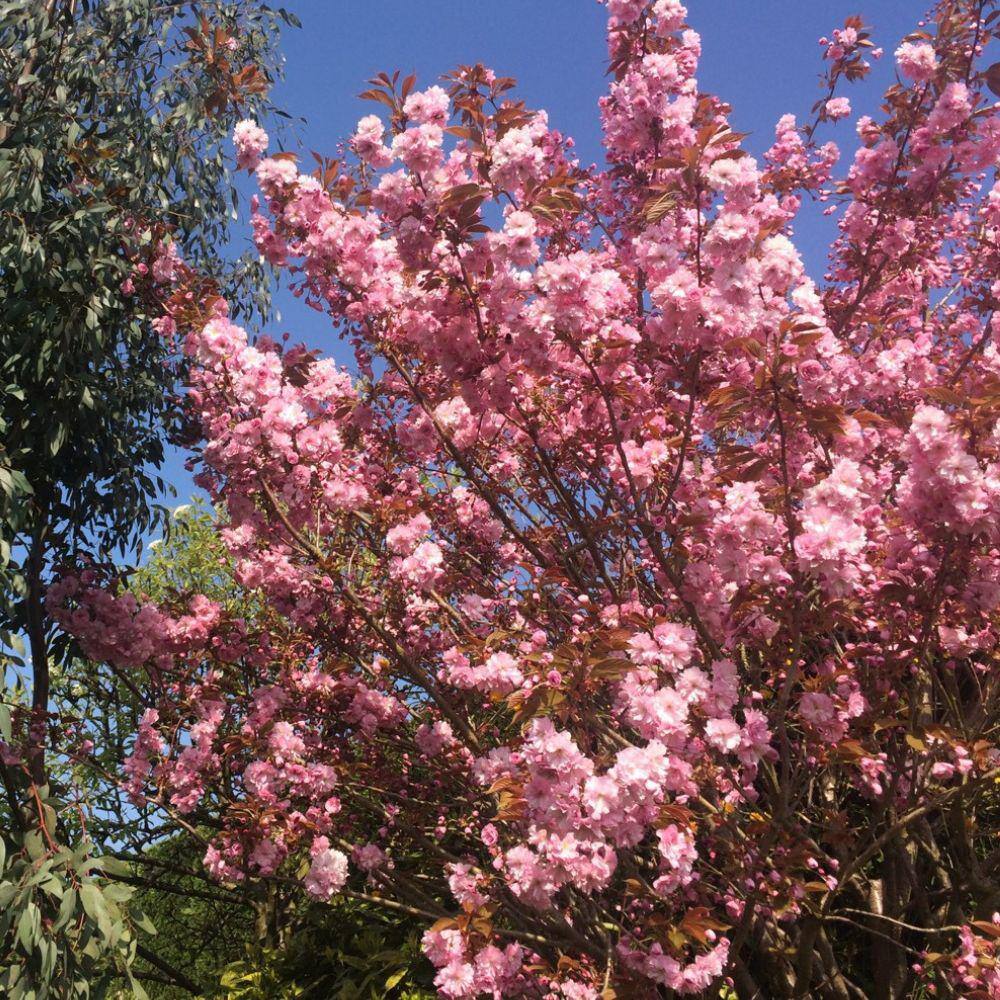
[[631, 618]]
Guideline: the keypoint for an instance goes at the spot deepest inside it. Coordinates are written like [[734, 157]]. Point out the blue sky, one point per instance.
[[761, 56]]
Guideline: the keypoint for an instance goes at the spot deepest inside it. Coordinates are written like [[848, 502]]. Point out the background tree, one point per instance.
[[113, 117]]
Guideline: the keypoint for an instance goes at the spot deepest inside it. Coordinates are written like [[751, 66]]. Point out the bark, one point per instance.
[[38, 645]]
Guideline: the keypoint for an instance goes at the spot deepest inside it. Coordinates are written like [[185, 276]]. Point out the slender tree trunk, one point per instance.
[[38, 645]]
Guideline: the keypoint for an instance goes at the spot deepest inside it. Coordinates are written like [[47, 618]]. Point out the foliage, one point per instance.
[[632, 619], [59, 923], [199, 926], [190, 559], [113, 122], [111, 150], [346, 951]]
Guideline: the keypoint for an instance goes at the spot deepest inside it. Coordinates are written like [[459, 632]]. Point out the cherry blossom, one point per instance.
[[629, 612]]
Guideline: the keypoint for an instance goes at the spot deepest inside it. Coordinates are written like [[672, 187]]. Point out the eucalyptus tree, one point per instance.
[[113, 167]]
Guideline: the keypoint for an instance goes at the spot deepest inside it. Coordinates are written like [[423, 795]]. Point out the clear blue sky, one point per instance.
[[761, 56]]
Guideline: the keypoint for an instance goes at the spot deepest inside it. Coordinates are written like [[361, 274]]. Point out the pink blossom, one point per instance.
[[327, 873], [251, 143], [837, 108], [428, 107], [917, 61]]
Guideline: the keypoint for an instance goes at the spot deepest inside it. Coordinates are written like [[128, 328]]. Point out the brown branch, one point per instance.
[[175, 975]]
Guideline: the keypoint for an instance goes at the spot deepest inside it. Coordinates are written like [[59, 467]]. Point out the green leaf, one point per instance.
[[34, 844], [395, 979], [67, 909], [96, 908], [29, 927]]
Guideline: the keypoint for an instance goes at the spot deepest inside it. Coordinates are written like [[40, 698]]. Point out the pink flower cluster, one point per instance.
[[251, 143]]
